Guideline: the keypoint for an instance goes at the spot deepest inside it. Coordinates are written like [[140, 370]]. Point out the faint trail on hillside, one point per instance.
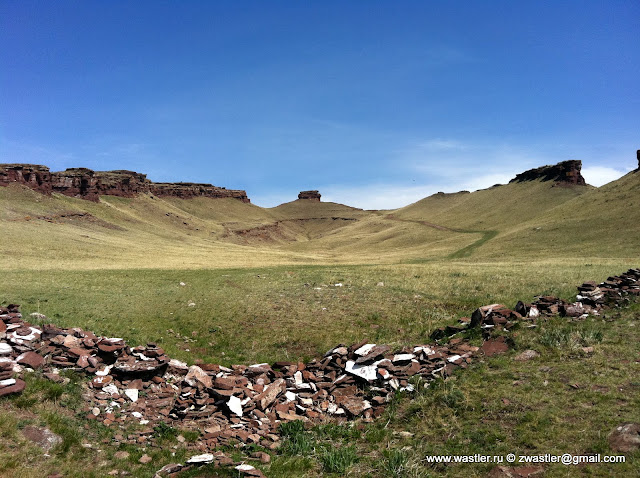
[[463, 252], [424, 223], [468, 250]]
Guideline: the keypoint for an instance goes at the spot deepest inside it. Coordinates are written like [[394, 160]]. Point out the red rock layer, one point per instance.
[[90, 185]]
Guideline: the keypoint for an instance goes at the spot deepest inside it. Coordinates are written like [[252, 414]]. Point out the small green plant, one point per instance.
[[334, 431], [571, 337], [337, 460], [162, 431], [297, 441], [395, 463]]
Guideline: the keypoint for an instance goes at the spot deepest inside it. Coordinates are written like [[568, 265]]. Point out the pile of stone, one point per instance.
[[246, 404]]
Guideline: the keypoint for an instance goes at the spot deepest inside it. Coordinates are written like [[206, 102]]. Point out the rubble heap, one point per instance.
[[247, 403]]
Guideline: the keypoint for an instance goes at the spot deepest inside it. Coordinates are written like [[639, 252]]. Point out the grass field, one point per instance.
[[261, 285]]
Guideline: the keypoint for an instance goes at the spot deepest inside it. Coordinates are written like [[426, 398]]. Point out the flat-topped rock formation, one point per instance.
[[310, 195], [87, 184], [191, 190], [35, 176], [564, 173]]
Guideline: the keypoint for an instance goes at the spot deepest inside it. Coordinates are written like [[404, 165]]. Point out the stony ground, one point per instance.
[[259, 406]]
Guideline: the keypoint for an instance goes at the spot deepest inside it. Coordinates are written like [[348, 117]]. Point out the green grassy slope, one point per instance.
[[513, 221], [605, 222], [494, 208]]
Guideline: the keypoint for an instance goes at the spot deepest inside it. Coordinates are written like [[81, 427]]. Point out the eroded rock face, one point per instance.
[[310, 195], [35, 176], [564, 173], [76, 182], [87, 184], [191, 190], [122, 183], [638, 156]]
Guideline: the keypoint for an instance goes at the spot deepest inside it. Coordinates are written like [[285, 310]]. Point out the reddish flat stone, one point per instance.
[[31, 359], [494, 347], [17, 387]]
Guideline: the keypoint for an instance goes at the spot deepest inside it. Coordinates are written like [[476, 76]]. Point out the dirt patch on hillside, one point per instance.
[[287, 230]]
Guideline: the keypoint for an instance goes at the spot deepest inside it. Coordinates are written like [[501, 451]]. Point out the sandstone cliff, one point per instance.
[[35, 176], [310, 195], [564, 173], [90, 185]]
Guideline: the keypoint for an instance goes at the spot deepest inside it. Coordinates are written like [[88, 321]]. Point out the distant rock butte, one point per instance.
[[638, 156], [564, 173], [309, 195], [90, 185]]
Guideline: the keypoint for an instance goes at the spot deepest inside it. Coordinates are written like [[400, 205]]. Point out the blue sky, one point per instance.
[[376, 104]]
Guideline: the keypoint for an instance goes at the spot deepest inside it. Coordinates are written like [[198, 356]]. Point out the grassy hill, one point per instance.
[[514, 221]]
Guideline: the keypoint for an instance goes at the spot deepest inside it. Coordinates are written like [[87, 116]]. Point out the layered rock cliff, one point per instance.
[[35, 176], [310, 195], [90, 185], [564, 173]]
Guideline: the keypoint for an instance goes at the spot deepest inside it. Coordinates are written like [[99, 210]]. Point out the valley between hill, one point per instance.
[[291, 282]]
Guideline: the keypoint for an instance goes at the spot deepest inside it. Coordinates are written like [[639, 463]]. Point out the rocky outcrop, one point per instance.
[[564, 173], [35, 176], [638, 156], [87, 184], [76, 182], [310, 195], [122, 183], [191, 190]]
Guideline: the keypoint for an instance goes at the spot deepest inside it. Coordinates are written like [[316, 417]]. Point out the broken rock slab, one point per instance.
[[526, 355], [11, 386], [31, 359], [495, 346], [43, 437], [625, 438]]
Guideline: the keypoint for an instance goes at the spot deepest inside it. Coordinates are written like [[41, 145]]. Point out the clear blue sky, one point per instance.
[[375, 103]]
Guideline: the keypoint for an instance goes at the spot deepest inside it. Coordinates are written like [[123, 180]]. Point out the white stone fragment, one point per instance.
[[364, 350], [5, 349], [290, 396], [104, 371], [111, 389], [204, 458], [453, 358], [367, 372], [8, 382], [136, 414], [403, 358], [132, 393], [243, 467], [235, 405]]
